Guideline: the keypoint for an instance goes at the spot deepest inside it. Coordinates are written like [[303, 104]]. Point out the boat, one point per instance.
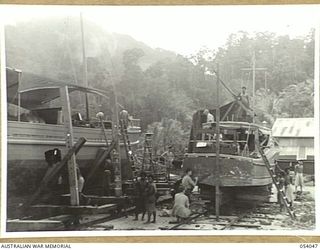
[[35, 126], [241, 168]]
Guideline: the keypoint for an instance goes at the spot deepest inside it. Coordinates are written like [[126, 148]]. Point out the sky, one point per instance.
[[182, 29]]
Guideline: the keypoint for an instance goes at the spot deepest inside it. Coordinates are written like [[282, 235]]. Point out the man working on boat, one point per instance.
[[187, 182], [207, 123], [124, 117], [244, 96], [209, 118]]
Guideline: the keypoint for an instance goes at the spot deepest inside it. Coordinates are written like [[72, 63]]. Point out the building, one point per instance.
[[295, 137]]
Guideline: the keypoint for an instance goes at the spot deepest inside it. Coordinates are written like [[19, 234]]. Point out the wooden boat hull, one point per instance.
[[235, 171], [28, 142]]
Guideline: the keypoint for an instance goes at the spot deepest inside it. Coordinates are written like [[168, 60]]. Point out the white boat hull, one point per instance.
[[28, 142]]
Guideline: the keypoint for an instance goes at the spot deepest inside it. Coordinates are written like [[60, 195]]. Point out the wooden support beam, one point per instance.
[[74, 210], [98, 161], [33, 225], [192, 217], [72, 165], [228, 111], [101, 200], [54, 171]]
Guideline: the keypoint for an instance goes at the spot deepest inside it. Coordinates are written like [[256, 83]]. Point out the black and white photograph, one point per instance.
[[154, 120]]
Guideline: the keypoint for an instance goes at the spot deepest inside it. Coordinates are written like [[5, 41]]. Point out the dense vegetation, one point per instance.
[[164, 89]]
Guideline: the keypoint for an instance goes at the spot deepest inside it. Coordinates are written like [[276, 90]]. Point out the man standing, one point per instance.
[[150, 199], [244, 96], [289, 186], [207, 124], [281, 180], [187, 182], [140, 188], [124, 117], [298, 170]]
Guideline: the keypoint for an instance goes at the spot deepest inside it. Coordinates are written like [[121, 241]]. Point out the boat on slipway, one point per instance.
[[35, 126], [242, 170]]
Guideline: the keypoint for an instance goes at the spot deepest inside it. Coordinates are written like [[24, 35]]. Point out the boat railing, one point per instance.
[[221, 140]]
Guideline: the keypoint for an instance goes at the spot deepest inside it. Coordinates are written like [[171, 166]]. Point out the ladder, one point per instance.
[[126, 142], [276, 182], [147, 153]]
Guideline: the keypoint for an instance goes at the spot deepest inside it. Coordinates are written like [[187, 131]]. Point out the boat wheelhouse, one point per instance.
[[35, 126]]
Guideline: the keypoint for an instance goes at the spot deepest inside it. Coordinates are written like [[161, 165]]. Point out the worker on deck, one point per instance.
[[124, 118], [209, 118], [298, 170], [181, 205], [187, 183], [207, 124], [244, 96]]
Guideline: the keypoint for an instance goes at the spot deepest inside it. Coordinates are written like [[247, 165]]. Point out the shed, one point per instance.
[[295, 137]]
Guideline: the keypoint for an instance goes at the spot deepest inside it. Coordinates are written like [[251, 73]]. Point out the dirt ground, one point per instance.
[[267, 217]]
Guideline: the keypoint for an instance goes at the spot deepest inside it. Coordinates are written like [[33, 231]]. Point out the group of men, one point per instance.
[[145, 197], [290, 180], [181, 208]]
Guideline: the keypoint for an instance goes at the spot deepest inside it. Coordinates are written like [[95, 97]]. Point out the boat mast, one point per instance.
[[19, 95], [85, 67]]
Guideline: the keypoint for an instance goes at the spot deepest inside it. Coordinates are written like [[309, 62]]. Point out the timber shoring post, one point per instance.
[[99, 161], [54, 171], [68, 130], [217, 130], [103, 131]]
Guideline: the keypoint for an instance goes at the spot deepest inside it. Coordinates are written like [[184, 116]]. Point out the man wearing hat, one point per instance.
[[298, 169]]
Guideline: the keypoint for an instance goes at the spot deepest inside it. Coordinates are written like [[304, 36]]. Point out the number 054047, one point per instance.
[[308, 245]]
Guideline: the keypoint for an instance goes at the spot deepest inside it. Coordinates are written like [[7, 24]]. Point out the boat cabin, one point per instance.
[[36, 99], [237, 132]]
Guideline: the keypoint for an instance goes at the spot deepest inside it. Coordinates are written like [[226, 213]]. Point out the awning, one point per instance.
[[37, 90]]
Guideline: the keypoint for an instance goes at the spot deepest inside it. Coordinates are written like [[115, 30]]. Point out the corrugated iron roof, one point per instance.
[[293, 127]]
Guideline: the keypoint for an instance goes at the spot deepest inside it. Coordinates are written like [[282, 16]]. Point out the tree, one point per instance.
[[297, 100], [168, 132]]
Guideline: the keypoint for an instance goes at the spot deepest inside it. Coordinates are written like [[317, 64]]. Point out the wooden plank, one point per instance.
[[101, 200], [228, 111], [76, 210], [72, 165], [33, 225]]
